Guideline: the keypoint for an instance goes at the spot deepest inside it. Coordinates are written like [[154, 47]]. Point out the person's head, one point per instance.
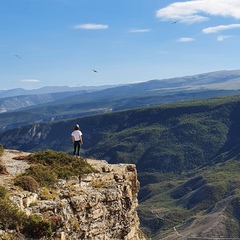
[[77, 127]]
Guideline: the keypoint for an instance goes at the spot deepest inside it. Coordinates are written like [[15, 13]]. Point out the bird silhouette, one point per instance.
[[17, 56], [95, 70]]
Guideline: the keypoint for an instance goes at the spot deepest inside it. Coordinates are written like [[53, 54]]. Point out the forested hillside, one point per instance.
[[168, 138], [187, 155]]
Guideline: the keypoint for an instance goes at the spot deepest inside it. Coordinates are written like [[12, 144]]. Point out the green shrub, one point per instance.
[[3, 169], [3, 192], [27, 183], [46, 194], [13, 218], [37, 228], [10, 216], [48, 166], [44, 175], [1, 150]]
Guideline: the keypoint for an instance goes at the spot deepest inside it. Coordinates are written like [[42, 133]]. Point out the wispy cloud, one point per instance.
[[184, 39], [30, 80], [91, 26], [197, 10], [222, 38], [139, 30], [220, 28]]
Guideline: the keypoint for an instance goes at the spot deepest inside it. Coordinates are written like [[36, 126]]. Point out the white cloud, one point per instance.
[[30, 80], [91, 26], [184, 39], [220, 28], [222, 38], [140, 30], [198, 10]]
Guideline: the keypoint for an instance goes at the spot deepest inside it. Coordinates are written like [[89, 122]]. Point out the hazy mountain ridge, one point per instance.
[[221, 80], [113, 98], [50, 89], [15, 99], [18, 102]]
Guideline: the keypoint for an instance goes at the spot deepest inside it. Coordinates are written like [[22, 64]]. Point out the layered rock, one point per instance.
[[99, 206]]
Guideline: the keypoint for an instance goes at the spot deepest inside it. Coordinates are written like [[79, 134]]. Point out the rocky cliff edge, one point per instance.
[[100, 206]]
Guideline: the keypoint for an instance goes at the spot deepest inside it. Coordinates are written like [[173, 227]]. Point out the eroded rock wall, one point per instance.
[[100, 206]]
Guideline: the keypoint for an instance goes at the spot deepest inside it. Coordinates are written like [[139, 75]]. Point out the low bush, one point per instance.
[[27, 183], [3, 169], [37, 228], [48, 166], [3, 192], [47, 194], [44, 175], [1, 150], [10, 216]]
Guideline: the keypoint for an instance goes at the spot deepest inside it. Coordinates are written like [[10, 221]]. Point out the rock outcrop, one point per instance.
[[99, 206]]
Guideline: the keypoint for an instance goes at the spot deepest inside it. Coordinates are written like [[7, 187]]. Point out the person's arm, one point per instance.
[[81, 139], [73, 139]]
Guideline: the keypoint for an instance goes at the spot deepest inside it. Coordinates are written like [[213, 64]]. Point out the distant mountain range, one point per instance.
[[23, 107], [50, 89], [18, 98]]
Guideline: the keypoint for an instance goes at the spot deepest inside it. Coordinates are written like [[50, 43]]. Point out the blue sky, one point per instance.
[[60, 42]]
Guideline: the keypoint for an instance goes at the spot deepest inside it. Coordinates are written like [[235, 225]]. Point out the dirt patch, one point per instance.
[[15, 164]]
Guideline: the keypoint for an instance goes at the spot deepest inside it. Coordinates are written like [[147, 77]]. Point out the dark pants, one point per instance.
[[77, 147]]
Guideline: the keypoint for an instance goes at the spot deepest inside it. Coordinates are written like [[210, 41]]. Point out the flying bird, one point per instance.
[[17, 56], [95, 70], [174, 22]]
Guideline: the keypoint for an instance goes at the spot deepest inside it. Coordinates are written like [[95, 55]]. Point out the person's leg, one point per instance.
[[75, 148], [78, 149]]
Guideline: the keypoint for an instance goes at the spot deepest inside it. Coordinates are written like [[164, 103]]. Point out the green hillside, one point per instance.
[[187, 155], [188, 201], [110, 100], [172, 138]]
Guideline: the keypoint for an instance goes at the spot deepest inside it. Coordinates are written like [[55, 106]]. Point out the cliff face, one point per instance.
[[99, 206]]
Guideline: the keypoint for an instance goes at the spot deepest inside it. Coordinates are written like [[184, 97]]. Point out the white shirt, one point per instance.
[[76, 134]]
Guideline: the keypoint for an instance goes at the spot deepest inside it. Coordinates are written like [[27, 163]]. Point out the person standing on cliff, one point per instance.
[[77, 140]]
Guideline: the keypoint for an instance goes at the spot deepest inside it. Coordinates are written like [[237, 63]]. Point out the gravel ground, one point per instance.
[[13, 166]]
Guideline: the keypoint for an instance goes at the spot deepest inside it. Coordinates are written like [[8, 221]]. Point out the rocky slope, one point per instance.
[[99, 206]]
